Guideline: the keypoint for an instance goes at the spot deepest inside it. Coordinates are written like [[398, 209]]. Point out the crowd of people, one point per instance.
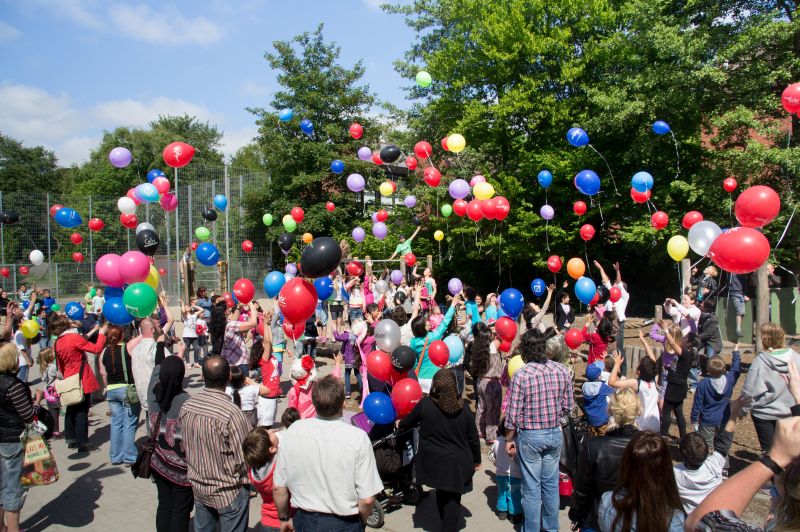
[[607, 430]]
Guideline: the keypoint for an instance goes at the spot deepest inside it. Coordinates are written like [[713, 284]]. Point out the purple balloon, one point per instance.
[[459, 189], [364, 153], [410, 201], [396, 276], [547, 212], [374, 217], [291, 269], [355, 182], [289, 276], [477, 179], [379, 230], [120, 157], [359, 234], [455, 286]]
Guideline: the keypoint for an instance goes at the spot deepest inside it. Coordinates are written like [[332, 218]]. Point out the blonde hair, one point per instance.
[[772, 336], [9, 358], [675, 332], [625, 407], [46, 357]]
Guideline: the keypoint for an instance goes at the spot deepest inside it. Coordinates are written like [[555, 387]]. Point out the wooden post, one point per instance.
[[658, 313], [222, 268], [430, 262], [762, 302]]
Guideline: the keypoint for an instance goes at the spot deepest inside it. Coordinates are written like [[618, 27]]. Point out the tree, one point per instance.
[[26, 169]]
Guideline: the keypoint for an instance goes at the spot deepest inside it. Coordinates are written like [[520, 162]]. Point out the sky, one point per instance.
[[74, 68]]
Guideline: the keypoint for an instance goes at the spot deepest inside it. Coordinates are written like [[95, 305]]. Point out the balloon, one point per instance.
[[456, 143], [376, 158], [659, 220], [614, 294], [267, 219], [221, 202], [194, 245], [378, 408], [514, 364], [114, 311], [154, 174], [134, 196], [577, 137], [120, 157], [337, 166], [293, 330], [324, 287], [390, 153], [505, 328], [162, 185], [321, 257], [379, 230], [147, 192], [406, 393], [755, 207], [546, 212], [162, 271], [140, 300], [364, 153], [24, 270], [355, 268], [307, 238], [297, 300], [107, 270], [129, 221], [573, 338], [385, 189], [640, 197], [410, 259], [790, 98], [411, 163], [456, 348], [284, 115], [355, 182], [96, 224], [642, 181], [410, 201], [545, 178], [691, 218], [587, 232], [5, 272], [446, 210], [244, 290], [474, 211], [424, 79], [289, 224], [387, 335], [502, 207], [291, 269], [247, 246], [403, 358], [585, 290], [74, 311], [178, 154], [29, 328], [356, 131], [153, 278], [298, 214], [579, 208], [702, 235], [139, 228], [438, 235], [273, 283], [55, 208], [740, 250], [454, 286], [36, 257], [587, 182], [306, 126], [379, 365], [381, 287], [169, 202], [729, 184], [423, 150], [538, 287], [677, 247], [460, 207], [660, 127], [125, 205], [554, 264], [432, 176], [65, 217], [483, 190], [202, 233], [458, 189], [438, 353], [134, 266], [359, 234], [207, 254], [576, 268], [77, 256], [511, 302]]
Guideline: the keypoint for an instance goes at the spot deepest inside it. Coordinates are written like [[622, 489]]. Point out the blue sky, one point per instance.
[[73, 68]]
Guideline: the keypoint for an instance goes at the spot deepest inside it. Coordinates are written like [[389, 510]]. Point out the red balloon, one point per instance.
[[757, 206], [330, 206], [356, 130], [503, 207], [394, 186], [579, 208], [659, 220], [55, 208], [438, 353], [244, 290], [740, 250], [297, 300], [790, 99], [298, 214], [411, 163], [423, 149], [406, 393], [24, 270], [379, 365], [382, 215], [77, 256], [293, 330], [444, 144], [193, 245], [162, 271], [76, 238], [587, 232], [247, 246], [376, 158], [355, 268], [96, 224], [229, 302], [432, 176], [460, 207], [691, 218], [505, 328], [489, 208], [614, 294], [128, 220], [596, 299], [474, 210], [411, 259], [730, 184], [161, 184], [132, 195], [640, 197], [573, 338], [554, 263], [5, 272], [178, 154], [505, 346]]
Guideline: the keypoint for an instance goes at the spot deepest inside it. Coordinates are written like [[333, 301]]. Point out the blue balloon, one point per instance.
[[207, 254], [306, 126], [26, 304], [324, 287], [112, 291], [545, 178], [337, 166], [285, 115], [660, 127], [114, 311], [577, 137], [153, 174], [642, 181], [511, 301], [585, 289], [538, 287], [147, 192], [74, 311], [379, 409], [220, 202], [456, 347], [66, 217], [273, 283], [587, 182]]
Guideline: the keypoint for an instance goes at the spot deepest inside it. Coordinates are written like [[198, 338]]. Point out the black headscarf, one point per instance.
[[444, 392], [170, 382]]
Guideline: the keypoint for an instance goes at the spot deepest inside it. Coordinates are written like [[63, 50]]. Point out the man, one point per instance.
[[540, 395], [328, 467], [619, 306], [404, 247], [214, 429], [142, 350]]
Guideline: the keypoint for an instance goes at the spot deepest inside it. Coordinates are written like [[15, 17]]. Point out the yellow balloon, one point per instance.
[[678, 247], [483, 191], [514, 364], [307, 238], [438, 236], [153, 278], [456, 143], [29, 328], [386, 189]]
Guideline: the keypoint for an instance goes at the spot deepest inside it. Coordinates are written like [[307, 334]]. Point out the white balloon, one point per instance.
[[387, 335], [702, 235], [381, 287], [126, 205], [37, 257], [144, 225]]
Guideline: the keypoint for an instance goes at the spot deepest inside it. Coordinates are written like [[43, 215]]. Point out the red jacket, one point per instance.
[[269, 512], [597, 345], [69, 349]]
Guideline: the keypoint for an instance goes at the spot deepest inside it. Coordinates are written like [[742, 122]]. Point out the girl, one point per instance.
[[304, 373], [423, 336], [487, 368], [355, 300], [245, 393], [261, 357], [599, 338], [509, 479], [190, 314], [676, 383], [659, 333], [49, 372], [644, 386], [351, 361]]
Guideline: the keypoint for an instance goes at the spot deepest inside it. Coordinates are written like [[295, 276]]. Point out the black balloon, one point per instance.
[[416, 220], [9, 217], [390, 153], [147, 241], [605, 293], [209, 214], [285, 242], [403, 358], [320, 257]]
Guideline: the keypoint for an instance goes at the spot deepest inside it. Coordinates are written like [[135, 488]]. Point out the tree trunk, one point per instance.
[[762, 302]]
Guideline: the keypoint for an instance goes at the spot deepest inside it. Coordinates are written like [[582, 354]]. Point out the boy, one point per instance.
[[98, 301], [711, 406], [595, 398]]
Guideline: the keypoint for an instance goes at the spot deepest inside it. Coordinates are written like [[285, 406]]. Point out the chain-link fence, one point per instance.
[[67, 278]]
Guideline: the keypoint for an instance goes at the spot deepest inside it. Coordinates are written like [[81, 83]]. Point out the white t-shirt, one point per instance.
[[143, 360], [622, 304], [190, 326], [19, 341], [97, 304], [405, 333], [695, 485], [651, 417], [248, 395], [325, 481], [504, 464]]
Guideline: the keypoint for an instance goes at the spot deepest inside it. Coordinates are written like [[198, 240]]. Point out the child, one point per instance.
[[668, 359], [98, 301], [278, 340], [290, 415], [270, 379], [599, 339], [348, 340], [711, 404], [310, 339], [644, 386], [509, 479], [259, 449], [49, 372], [304, 372], [595, 399], [435, 317], [244, 394], [608, 367]]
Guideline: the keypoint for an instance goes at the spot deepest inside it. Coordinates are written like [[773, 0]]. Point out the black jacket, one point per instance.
[[562, 317], [677, 378], [598, 472], [708, 332]]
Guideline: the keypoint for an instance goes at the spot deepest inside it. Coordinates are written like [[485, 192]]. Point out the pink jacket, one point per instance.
[[300, 398]]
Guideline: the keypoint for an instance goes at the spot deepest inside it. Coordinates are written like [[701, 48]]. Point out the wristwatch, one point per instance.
[[284, 517], [770, 463]]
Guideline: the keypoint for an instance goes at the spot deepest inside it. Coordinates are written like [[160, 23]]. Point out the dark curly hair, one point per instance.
[[605, 328], [478, 350], [533, 345], [648, 369]]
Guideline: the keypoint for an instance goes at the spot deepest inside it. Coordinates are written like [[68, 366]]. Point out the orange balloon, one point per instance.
[[307, 238], [576, 268]]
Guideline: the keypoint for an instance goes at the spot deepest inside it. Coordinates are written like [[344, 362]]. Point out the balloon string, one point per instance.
[[586, 254], [730, 208], [677, 154], [546, 235], [500, 252], [790, 272], [785, 229], [680, 281], [609, 169], [600, 208]]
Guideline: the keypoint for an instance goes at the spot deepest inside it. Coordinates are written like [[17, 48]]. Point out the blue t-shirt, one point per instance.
[[472, 311], [490, 313]]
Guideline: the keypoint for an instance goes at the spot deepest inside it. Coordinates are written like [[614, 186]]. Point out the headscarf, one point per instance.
[[444, 392], [170, 382]]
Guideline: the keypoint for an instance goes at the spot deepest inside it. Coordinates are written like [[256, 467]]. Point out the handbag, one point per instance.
[[131, 397], [38, 465], [70, 390], [141, 468]]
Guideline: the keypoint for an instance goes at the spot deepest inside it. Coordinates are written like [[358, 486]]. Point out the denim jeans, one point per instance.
[[356, 314], [539, 451], [23, 373], [694, 378], [232, 518], [124, 419], [312, 521], [509, 495], [347, 371], [12, 495]]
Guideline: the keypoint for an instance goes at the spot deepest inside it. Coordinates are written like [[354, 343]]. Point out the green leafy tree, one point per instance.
[[25, 169]]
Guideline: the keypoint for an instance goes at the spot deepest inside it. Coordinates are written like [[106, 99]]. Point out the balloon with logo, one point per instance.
[[677, 247], [538, 287], [140, 300], [74, 311], [455, 286], [702, 235], [554, 263], [178, 154], [297, 300], [729, 184], [306, 126], [587, 232], [154, 174], [577, 137], [585, 290], [207, 254], [642, 181], [68, 218], [511, 302], [147, 241], [244, 290], [587, 182], [147, 192], [579, 208], [406, 393], [387, 335]]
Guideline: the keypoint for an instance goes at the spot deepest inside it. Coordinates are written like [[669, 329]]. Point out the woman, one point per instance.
[[490, 311], [216, 324], [449, 448], [646, 497], [115, 367], [204, 302], [486, 370], [564, 315], [599, 459], [16, 410], [423, 336], [677, 385], [234, 348], [71, 349]]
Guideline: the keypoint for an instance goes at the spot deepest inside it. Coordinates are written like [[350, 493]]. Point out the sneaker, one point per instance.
[[347, 396], [739, 333], [502, 515], [88, 448]]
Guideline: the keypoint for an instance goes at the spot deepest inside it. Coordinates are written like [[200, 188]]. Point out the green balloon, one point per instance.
[[202, 233], [424, 79], [140, 300], [93, 292], [447, 210], [267, 219], [289, 224], [55, 307]]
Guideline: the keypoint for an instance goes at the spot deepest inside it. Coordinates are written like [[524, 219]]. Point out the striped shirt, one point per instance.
[[540, 395], [213, 431]]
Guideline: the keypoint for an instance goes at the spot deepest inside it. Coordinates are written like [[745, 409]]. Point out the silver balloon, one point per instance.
[[381, 287], [702, 235], [387, 336], [144, 225]]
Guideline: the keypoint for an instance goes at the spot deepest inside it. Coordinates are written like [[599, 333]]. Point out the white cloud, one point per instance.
[[374, 5], [235, 139], [8, 32], [130, 112]]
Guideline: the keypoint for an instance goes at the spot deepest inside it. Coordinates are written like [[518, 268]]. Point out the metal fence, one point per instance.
[[194, 186]]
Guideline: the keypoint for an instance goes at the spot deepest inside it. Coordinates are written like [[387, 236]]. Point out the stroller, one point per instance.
[[394, 457]]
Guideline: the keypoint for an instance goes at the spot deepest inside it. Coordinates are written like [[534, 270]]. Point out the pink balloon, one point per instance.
[[169, 202], [134, 266], [161, 184], [132, 195], [477, 179], [107, 269]]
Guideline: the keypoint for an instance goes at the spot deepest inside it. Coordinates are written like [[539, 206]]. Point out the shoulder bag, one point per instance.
[[141, 468], [131, 397], [70, 389]]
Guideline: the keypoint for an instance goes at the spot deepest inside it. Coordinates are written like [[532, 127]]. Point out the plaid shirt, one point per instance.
[[541, 394]]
